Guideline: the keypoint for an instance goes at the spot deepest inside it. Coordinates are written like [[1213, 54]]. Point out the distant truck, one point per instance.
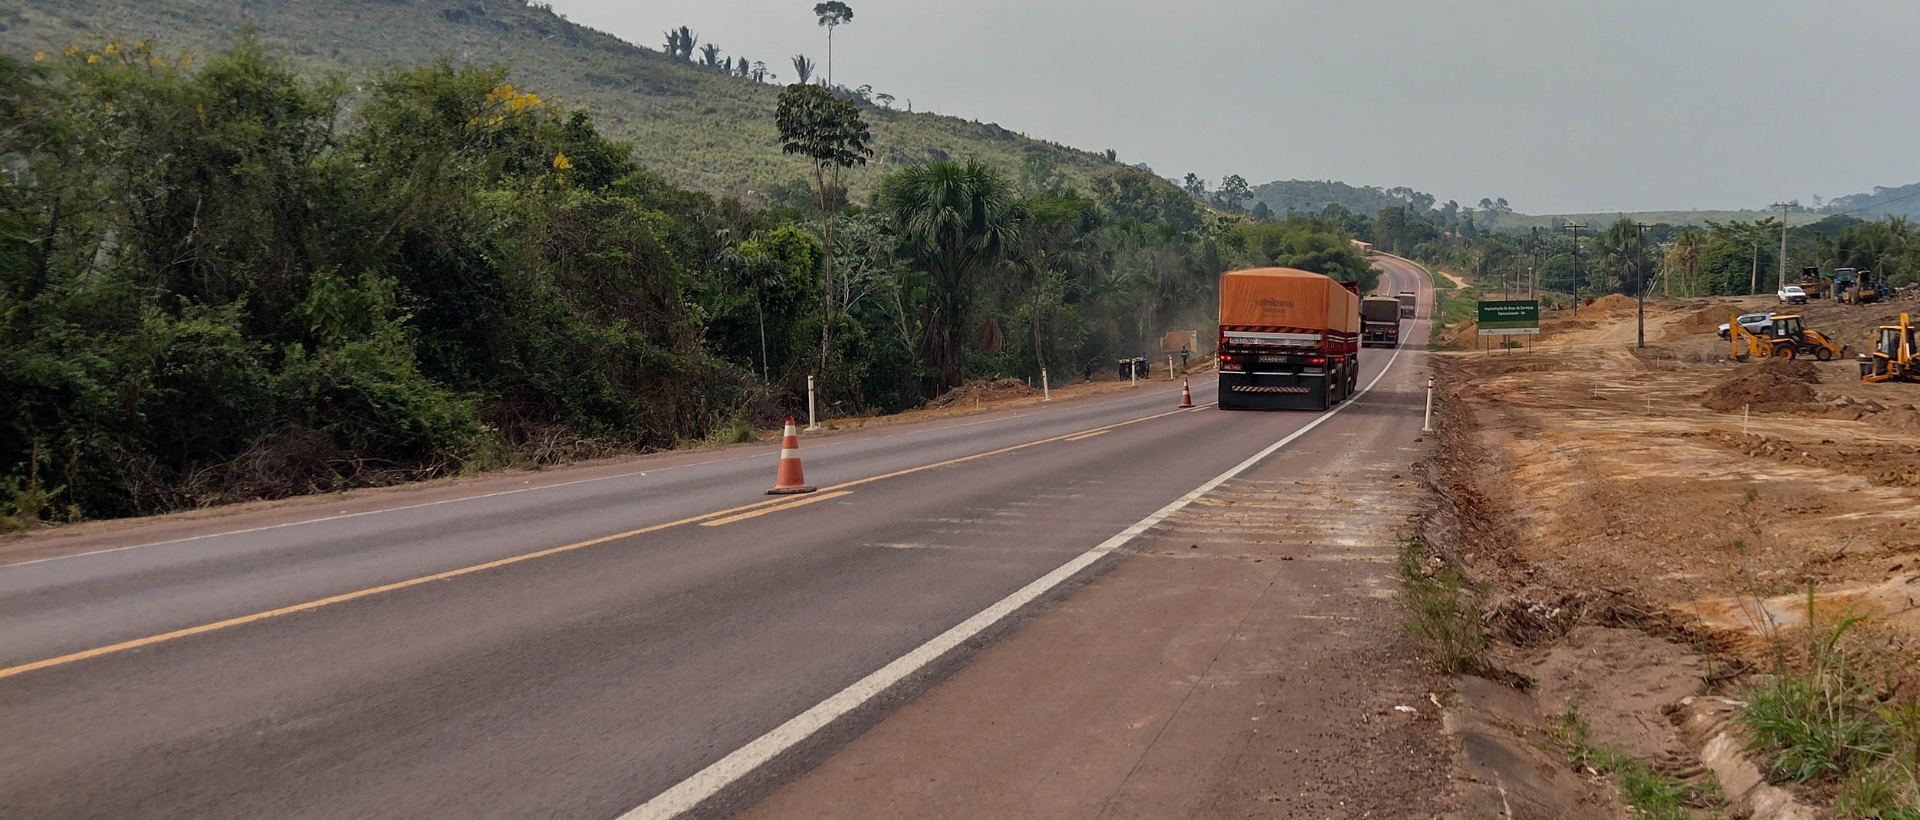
[[1409, 302], [1289, 340], [1380, 321]]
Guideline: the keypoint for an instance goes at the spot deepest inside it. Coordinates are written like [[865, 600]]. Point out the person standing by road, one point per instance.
[[1184, 353]]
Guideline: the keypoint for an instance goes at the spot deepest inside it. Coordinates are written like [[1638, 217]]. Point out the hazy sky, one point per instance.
[[1557, 106]]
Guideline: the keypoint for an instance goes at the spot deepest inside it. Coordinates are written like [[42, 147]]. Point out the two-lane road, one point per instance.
[[578, 649]]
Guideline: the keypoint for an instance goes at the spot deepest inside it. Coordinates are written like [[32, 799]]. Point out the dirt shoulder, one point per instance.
[[1246, 659]]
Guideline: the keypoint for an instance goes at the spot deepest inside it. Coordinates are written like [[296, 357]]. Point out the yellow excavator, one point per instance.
[[1896, 354], [1787, 338]]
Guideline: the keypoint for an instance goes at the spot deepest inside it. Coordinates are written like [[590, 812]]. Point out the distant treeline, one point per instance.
[[221, 280]]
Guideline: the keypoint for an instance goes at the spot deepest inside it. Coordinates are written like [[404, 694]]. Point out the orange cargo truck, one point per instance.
[[1289, 340]]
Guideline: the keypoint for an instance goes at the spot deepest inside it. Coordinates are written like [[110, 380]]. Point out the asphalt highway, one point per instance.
[[577, 649]]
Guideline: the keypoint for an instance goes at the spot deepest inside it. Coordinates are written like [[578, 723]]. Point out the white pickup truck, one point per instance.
[[1791, 295]]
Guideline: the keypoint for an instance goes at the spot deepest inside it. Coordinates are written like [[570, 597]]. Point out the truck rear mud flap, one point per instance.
[[1273, 391]]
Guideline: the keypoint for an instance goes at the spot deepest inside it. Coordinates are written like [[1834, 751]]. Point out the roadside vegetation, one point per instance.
[[1829, 717], [1442, 610], [1723, 259], [223, 279], [1652, 794]]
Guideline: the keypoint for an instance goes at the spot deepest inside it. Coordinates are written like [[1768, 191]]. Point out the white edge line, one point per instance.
[[691, 792], [517, 490]]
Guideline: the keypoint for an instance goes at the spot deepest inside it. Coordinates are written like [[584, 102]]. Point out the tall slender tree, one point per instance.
[[1234, 191], [832, 14], [833, 137]]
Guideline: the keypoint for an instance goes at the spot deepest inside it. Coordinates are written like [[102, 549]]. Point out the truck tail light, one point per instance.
[[1317, 360]]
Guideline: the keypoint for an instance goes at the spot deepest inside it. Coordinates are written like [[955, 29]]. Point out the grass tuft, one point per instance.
[[736, 431], [1442, 610], [1826, 724], [1651, 794]]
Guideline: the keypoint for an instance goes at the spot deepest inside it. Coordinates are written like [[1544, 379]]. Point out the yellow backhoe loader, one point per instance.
[[1786, 339], [1896, 354]]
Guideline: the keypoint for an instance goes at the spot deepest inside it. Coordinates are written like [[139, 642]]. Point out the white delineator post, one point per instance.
[[1046, 392], [1427, 427], [1133, 374], [813, 424], [1169, 368]]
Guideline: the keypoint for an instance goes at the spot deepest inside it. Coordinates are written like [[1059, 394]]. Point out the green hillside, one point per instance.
[[691, 124]]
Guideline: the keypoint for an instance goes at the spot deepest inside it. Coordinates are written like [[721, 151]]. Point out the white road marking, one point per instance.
[[691, 792]]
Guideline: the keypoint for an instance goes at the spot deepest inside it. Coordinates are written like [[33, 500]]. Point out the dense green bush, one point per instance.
[[209, 291]]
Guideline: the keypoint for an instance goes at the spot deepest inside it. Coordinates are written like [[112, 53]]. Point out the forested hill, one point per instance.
[[1310, 196], [1879, 203], [687, 122]]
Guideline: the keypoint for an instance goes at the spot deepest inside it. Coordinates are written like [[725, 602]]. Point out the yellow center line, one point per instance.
[[721, 522], [728, 515], [1084, 436]]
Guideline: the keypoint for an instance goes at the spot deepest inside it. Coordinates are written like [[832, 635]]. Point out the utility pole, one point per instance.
[[1783, 248], [1576, 227], [1533, 271], [1640, 281]]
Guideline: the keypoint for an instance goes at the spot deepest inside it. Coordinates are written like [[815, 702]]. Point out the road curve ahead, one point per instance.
[[627, 645]]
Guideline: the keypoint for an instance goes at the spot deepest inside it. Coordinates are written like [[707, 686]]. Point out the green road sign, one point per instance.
[[1517, 318]]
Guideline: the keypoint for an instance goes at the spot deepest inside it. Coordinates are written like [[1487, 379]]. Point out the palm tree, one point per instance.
[[1685, 255], [1619, 246], [955, 221], [803, 67]]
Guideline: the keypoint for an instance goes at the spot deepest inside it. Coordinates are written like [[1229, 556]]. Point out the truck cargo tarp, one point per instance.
[[1284, 297], [1380, 309]]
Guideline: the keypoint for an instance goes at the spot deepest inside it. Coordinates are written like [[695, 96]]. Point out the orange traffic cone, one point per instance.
[[789, 480], [1186, 392]]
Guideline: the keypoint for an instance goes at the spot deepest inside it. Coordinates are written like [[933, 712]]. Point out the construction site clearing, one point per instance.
[[1647, 521]]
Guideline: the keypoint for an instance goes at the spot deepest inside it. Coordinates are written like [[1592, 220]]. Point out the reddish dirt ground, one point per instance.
[[1652, 518]]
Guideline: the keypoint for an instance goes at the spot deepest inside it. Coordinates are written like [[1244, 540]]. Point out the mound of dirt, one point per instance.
[[1703, 320], [1461, 334], [983, 390], [1613, 302], [1775, 385]]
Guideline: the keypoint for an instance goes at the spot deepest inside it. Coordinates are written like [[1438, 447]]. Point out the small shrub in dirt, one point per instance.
[[1814, 730], [23, 501], [1827, 724], [1443, 611], [1882, 793], [737, 431]]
